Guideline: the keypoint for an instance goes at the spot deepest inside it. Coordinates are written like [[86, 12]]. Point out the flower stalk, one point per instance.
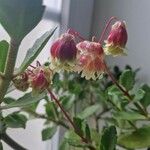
[[69, 119], [125, 92]]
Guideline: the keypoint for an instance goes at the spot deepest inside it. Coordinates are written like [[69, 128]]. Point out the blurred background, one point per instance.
[[89, 18]]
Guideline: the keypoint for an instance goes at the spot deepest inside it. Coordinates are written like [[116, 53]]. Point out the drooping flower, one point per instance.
[[90, 60], [63, 53], [40, 78], [117, 39], [21, 81]]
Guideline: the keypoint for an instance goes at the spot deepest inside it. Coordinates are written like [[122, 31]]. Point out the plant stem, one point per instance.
[[70, 120], [9, 68], [125, 92], [11, 142], [106, 27]]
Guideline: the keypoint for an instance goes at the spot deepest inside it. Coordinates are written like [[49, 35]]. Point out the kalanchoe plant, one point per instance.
[[79, 89]]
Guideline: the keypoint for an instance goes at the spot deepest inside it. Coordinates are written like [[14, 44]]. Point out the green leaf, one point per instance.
[[64, 145], [114, 90], [3, 54], [67, 102], [73, 139], [78, 124], [48, 133], [128, 116], [8, 100], [146, 99], [127, 79], [88, 111], [33, 52], [139, 95], [19, 17], [1, 146], [25, 100], [15, 120], [137, 139], [96, 137], [87, 133], [51, 110], [108, 139]]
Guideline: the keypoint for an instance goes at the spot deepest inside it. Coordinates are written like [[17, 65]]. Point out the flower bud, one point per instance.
[[40, 79], [90, 60], [21, 82], [117, 39], [63, 52]]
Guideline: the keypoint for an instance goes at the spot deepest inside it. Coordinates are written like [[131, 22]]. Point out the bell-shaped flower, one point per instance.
[[90, 60], [117, 39], [63, 53]]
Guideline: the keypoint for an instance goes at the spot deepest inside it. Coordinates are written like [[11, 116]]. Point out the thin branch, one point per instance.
[[125, 92], [70, 120], [11, 142]]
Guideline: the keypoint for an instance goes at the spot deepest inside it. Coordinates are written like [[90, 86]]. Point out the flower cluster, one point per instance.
[[85, 57]]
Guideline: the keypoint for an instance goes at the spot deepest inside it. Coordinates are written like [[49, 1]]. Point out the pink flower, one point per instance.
[[63, 52], [117, 39], [90, 60], [40, 78]]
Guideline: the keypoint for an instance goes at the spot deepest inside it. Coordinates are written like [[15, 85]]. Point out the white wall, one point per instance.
[[136, 15]]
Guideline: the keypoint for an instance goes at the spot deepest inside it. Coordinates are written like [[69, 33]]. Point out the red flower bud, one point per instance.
[[117, 39], [40, 78], [63, 51], [90, 60]]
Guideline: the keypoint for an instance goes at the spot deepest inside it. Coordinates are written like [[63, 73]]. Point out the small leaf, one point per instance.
[[15, 120], [3, 54], [87, 133], [108, 139], [51, 110], [95, 136], [8, 100], [137, 139], [128, 116], [64, 145], [33, 52], [145, 100], [19, 17], [25, 100], [127, 79], [67, 102], [114, 90], [73, 139], [48, 133], [78, 124], [139, 95], [88, 111]]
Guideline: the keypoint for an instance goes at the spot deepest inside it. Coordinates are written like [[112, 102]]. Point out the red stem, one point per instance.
[[117, 84], [62, 109], [68, 117], [139, 107], [106, 27]]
